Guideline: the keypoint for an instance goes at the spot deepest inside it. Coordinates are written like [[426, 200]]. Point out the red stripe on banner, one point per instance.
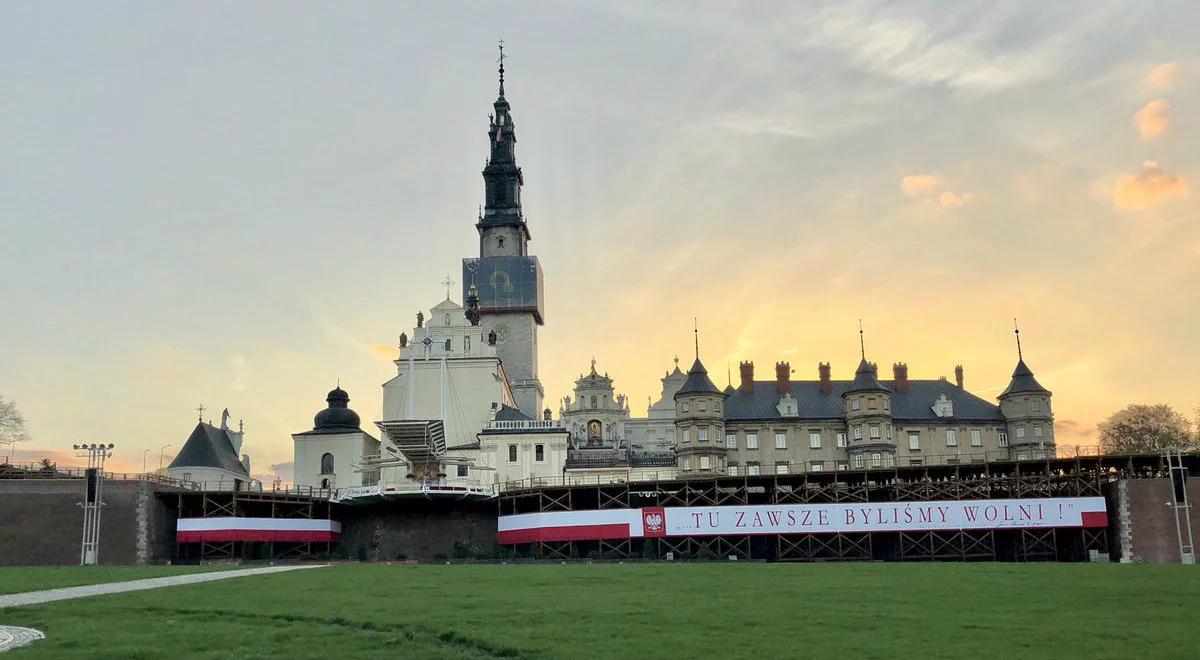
[[571, 533], [284, 535], [1095, 518]]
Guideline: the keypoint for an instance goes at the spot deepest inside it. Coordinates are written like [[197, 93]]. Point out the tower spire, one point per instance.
[[501, 61], [1017, 332], [862, 347], [696, 330]]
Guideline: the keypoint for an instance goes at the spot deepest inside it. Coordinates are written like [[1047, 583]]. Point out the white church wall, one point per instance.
[[347, 449], [495, 446]]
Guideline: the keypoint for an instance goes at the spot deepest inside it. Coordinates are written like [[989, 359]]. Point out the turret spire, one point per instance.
[[696, 330], [1017, 332], [862, 347]]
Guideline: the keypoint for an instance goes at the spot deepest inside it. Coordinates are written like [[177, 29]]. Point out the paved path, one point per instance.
[[66, 593]]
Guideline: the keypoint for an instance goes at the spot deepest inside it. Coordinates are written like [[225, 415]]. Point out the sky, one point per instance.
[[238, 204]]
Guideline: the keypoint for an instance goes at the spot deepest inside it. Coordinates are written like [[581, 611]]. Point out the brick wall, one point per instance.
[[1146, 524]]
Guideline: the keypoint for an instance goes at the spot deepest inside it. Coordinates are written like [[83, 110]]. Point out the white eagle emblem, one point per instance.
[[654, 522]]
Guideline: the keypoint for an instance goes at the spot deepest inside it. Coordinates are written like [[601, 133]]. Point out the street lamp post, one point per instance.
[[89, 550], [160, 456]]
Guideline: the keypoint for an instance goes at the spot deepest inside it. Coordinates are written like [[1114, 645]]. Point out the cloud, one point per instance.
[[1163, 75], [919, 185], [384, 350], [238, 369], [950, 200], [1153, 120], [1147, 189]]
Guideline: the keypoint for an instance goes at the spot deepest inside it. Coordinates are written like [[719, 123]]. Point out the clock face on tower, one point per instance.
[[502, 332]]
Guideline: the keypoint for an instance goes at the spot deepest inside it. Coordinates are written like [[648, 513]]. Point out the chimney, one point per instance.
[[747, 370], [783, 377], [958, 380], [900, 374], [823, 370], [875, 369]]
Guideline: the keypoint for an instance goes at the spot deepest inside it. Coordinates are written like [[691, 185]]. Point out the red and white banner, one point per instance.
[[214, 530], [803, 519]]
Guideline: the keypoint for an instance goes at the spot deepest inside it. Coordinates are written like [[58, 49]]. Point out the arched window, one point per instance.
[[500, 243], [327, 463], [447, 319]]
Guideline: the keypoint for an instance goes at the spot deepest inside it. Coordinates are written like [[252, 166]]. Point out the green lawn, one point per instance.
[[643, 610], [16, 579]]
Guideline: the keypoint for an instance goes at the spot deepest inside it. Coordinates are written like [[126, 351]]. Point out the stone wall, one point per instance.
[[416, 529], [1146, 524], [41, 522]]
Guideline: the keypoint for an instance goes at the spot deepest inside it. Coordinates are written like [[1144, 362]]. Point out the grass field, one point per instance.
[[647, 610], [16, 579]]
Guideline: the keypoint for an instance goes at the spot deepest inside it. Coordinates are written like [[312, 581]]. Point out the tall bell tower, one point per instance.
[[507, 279]]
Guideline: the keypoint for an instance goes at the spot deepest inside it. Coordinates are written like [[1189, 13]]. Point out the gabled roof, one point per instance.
[[209, 447], [509, 414], [915, 403], [697, 381], [1022, 381]]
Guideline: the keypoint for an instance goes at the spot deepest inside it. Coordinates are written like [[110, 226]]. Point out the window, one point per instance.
[[914, 441], [512, 453], [446, 321], [702, 406], [872, 404], [858, 433], [687, 463], [716, 407], [596, 402], [751, 441], [816, 466], [686, 408], [951, 438], [1037, 406], [731, 441], [732, 469], [1037, 431], [915, 461], [1003, 439], [1020, 432], [841, 439], [187, 476], [687, 435], [702, 434], [842, 465], [780, 440], [876, 460], [447, 345], [539, 453], [858, 460], [326, 464], [874, 432], [462, 470], [854, 404], [500, 243], [976, 438], [752, 468], [703, 462], [781, 467], [814, 439]]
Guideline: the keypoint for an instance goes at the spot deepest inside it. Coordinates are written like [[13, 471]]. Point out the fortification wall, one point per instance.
[[1146, 523], [417, 529], [41, 522]]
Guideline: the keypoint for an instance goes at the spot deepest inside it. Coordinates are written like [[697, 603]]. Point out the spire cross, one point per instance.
[[447, 283], [501, 61], [862, 346], [1017, 332], [200, 410]]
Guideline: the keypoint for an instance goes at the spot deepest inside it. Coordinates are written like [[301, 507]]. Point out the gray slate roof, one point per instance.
[[698, 381], [209, 447], [509, 414], [1023, 381], [913, 404], [865, 379]]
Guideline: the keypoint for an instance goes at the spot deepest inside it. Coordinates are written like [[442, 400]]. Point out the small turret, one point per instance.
[[1026, 407]]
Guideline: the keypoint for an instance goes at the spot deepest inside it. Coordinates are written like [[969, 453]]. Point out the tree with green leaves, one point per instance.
[[1145, 429]]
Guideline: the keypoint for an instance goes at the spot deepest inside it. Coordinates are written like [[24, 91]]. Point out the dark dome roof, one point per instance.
[[338, 417]]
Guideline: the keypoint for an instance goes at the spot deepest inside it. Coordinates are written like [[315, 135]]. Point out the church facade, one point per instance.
[[464, 413]]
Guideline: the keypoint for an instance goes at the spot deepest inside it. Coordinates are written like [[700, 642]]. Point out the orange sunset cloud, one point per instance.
[[917, 185], [1147, 189], [1163, 75], [1153, 120]]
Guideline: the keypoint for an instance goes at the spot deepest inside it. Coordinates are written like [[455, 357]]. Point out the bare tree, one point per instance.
[[1145, 429], [12, 423]]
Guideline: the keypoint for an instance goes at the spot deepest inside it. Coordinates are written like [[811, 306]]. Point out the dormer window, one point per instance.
[[943, 407]]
